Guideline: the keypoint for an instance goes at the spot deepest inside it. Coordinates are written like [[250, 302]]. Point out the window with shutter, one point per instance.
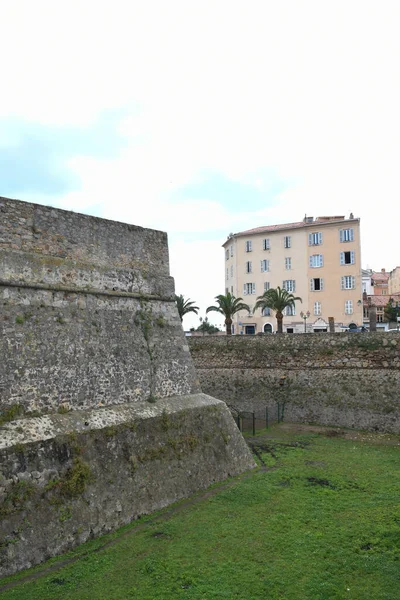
[[264, 266], [266, 244], [315, 239], [346, 235]]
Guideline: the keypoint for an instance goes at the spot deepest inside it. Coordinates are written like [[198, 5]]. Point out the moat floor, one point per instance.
[[319, 520]]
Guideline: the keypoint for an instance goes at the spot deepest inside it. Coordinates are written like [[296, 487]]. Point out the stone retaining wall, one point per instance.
[[350, 380]]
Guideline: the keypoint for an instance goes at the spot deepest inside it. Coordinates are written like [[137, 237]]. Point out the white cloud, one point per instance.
[[308, 90]]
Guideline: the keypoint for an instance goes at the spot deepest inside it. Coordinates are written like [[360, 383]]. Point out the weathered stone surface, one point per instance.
[[101, 415], [68, 478], [351, 380]]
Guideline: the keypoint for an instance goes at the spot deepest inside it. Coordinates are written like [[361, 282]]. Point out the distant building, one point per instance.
[[394, 281], [380, 283], [366, 281], [380, 302], [316, 259]]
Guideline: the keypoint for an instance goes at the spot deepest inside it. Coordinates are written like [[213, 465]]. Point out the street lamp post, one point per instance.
[[305, 317]]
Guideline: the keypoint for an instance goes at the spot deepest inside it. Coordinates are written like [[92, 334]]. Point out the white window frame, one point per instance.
[[317, 308], [316, 261], [231, 248], [315, 239], [266, 312], [249, 288], [287, 241], [288, 263], [231, 270], [227, 255], [347, 282], [348, 307], [267, 286], [312, 284], [290, 311], [227, 273], [352, 257], [264, 266], [248, 267], [266, 244], [248, 246], [289, 285], [346, 235]]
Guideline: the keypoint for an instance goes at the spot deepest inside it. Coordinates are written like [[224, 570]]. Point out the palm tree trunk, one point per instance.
[[279, 320], [228, 325]]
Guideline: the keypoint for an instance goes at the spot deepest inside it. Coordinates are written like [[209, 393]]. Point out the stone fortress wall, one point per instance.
[[101, 413]]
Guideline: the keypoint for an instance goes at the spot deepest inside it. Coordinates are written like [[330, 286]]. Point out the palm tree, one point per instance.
[[185, 306], [277, 299], [228, 306]]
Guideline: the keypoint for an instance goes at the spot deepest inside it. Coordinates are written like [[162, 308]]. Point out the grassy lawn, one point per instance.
[[319, 520]]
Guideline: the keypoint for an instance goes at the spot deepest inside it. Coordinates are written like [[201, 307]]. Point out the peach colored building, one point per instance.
[[316, 259]]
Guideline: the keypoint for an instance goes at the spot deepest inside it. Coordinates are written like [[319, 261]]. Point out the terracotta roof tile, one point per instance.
[[296, 225], [382, 277], [381, 300]]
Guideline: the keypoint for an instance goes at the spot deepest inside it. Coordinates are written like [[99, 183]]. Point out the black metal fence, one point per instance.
[[251, 421]]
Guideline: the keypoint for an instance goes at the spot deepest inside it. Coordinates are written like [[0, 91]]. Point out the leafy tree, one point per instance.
[[206, 327], [185, 306], [392, 310], [228, 306], [277, 299]]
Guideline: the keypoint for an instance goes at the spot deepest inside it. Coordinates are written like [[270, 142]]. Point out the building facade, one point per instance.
[[380, 283], [318, 260], [394, 281]]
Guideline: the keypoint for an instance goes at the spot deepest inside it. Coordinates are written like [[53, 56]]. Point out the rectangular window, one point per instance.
[[348, 307], [266, 244], [266, 312], [316, 260], [346, 235], [289, 285], [315, 239], [290, 311], [267, 285], [348, 282], [231, 270], [347, 258], [232, 289], [227, 255], [287, 242], [227, 273], [288, 263], [264, 266], [248, 267], [379, 318], [316, 284], [249, 246], [249, 288], [317, 308], [231, 250], [226, 291]]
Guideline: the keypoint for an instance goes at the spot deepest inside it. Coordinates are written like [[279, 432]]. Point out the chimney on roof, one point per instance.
[[351, 216]]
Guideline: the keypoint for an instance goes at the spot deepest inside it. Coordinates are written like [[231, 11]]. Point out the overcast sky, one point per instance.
[[205, 118]]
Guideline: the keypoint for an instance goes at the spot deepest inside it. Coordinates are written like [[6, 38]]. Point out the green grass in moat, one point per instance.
[[322, 524]]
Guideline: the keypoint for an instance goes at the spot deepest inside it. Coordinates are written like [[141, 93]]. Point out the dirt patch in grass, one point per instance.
[[293, 429]]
